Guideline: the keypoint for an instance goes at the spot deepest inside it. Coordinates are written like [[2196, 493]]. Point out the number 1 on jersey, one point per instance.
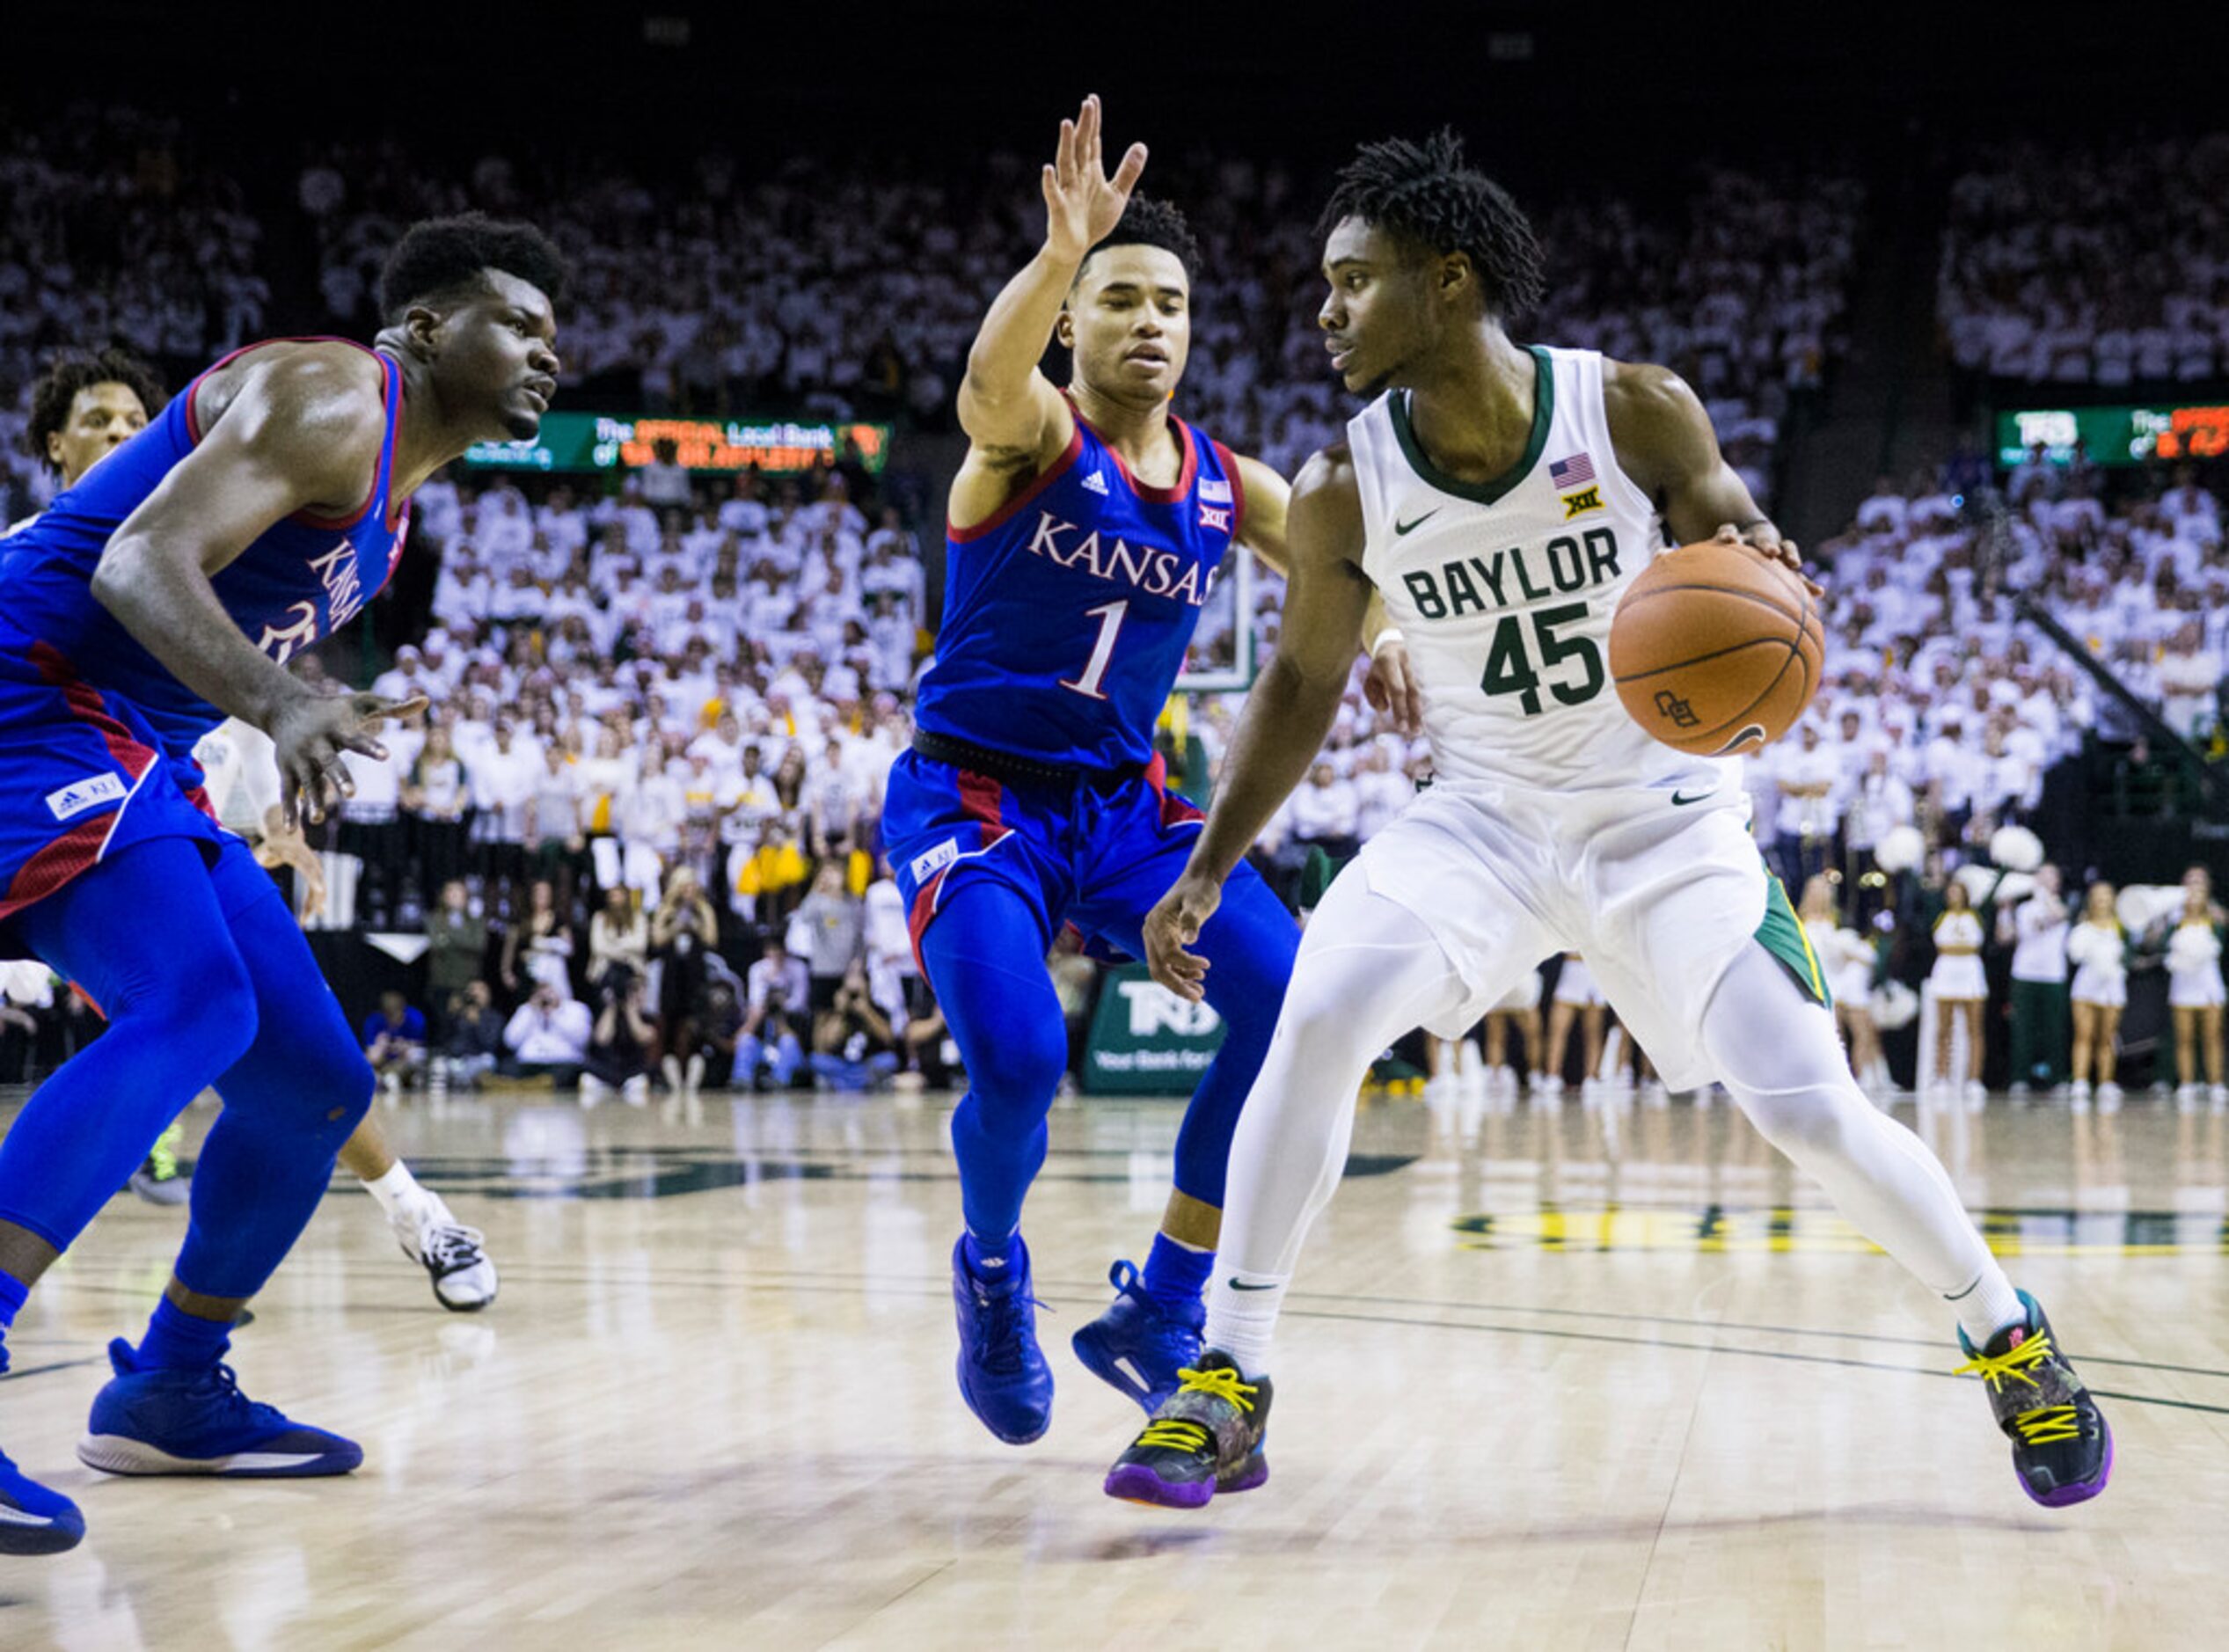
[[1110, 616]]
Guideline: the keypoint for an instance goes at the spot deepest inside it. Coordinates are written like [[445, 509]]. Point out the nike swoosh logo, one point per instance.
[[1240, 1284], [1400, 528], [23, 1517], [1680, 800]]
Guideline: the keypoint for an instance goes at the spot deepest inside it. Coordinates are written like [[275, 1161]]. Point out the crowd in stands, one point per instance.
[[111, 232], [2101, 265], [844, 295]]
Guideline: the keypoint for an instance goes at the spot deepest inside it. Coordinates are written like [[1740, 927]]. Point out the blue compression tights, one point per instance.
[[205, 980], [985, 958]]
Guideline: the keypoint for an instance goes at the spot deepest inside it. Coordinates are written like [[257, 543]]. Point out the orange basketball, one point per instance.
[[1716, 651]]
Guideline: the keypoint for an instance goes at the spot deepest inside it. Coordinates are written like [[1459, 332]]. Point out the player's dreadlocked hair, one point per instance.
[[443, 259], [1149, 222], [57, 388], [1425, 194]]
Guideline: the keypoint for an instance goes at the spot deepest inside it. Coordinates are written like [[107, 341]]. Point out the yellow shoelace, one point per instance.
[[1995, 1371], [1176, 1433], [1223, 1383], [2046, 1425], [1181, 1433]]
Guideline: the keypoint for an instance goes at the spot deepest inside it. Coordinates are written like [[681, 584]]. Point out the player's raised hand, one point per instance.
[[312, 731], [1392, 690], [1082, 204], [1765, 540], [1172, 926]]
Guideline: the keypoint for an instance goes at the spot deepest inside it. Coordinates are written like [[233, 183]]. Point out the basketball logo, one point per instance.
[[1675, 710]]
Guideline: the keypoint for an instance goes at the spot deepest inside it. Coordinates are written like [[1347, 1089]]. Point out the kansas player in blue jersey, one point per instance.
[[1087, 528], [165, 591], [83, 409]]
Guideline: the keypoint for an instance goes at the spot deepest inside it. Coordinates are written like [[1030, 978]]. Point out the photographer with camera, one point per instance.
[[619, 1046], [853, 1047], [549, 1033], [777, 991], [473, 1044]]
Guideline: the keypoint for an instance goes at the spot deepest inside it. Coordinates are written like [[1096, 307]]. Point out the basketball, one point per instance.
[[1716, 651]]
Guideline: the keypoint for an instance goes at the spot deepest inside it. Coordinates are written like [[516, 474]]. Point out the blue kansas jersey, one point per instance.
[[96, 735], [1067, 613]]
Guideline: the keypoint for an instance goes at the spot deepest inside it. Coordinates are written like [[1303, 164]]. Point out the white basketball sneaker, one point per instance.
[[451, 1254]]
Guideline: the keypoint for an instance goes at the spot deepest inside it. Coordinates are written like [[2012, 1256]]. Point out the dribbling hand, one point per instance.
[[311, 732], [1172, 926], [1765, 540], [1082, 204]]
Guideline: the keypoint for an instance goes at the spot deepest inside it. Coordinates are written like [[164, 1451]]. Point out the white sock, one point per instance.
[[1242, 1322], [397, 1191], [1987, 1307]]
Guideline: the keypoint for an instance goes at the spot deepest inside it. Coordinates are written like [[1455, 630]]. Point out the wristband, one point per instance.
[[1392, 633]]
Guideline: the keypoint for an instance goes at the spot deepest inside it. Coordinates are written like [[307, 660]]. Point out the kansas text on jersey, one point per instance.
[[1067, 613]]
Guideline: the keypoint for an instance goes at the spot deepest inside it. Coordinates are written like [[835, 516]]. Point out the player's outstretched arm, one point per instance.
[[1287, 714], [1016, 421], [1665, 443], [303, 433]]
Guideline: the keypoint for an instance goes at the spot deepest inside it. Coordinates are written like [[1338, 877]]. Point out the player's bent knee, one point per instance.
[[1806, 1122], [1022, 1064], [204, 1012]]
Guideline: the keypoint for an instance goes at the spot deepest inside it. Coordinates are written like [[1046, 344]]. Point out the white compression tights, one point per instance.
[[1363, 980]]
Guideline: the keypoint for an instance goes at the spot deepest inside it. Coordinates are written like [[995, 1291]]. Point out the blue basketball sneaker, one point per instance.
[[159, 1421], [1140, 1343], [33, 1519], [1003, 1374]]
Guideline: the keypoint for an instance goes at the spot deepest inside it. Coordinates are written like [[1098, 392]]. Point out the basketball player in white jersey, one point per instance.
[[1499, 498]]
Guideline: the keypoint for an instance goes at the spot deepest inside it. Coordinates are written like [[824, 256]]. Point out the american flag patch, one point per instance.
[[1576, 472], [1213, 492]]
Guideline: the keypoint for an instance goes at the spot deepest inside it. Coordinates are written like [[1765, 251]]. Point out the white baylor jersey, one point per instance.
[[1504, 590]]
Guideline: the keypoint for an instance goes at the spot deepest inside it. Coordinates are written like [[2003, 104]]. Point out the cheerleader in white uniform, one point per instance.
[[2195, 989], [1961, 987], [2098, 950], [1845, 959], [1577, 999]]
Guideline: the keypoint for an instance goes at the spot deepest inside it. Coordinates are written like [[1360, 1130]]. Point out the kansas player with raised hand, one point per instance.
[[165, 591], [1086, 526]]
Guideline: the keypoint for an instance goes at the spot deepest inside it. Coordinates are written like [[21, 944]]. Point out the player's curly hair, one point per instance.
[[58, 386], [1429, 195], [442, 258], [1147, 222]]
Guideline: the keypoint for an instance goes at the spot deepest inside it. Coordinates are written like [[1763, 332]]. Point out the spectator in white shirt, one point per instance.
[[549, 1033]]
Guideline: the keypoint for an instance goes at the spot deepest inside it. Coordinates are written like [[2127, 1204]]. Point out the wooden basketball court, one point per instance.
[[1549, 1379]]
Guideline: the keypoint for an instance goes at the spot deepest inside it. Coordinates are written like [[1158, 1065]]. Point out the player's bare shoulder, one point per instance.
[[1656, 421], [1326, 514], [315, 408]]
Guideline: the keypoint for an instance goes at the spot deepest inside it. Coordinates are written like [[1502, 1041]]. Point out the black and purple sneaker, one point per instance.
[[1205, 1438], [2062, 1449]]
